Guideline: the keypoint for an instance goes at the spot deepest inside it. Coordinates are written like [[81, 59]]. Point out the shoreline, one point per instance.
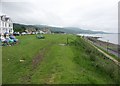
[[112, 38]]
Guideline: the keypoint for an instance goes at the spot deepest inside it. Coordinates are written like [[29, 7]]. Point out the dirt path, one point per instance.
[[35, 62], [38, 58]]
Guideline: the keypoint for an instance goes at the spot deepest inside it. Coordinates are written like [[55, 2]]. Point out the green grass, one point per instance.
[[0, 65], [77, 62]]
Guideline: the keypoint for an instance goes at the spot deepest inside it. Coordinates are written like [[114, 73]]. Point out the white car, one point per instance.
[[23, 33]]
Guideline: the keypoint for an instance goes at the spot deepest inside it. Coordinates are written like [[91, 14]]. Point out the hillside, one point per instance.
[[72, 30], [78, 30]]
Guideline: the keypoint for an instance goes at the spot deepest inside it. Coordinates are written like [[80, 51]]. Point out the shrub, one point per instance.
[[92, 57]]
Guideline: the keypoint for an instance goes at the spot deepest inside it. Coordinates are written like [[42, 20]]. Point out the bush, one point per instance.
[[92, 57]]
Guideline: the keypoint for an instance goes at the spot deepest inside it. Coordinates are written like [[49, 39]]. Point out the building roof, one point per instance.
[[4, 18]]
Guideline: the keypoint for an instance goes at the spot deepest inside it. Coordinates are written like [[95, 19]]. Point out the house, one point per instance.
[[41, 32], [47, 31], [6, 25]]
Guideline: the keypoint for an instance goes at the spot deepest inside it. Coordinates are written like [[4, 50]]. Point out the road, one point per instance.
[[108, 47], [107, 55], [108, 50]]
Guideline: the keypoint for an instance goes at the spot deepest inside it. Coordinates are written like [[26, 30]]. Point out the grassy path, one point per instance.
[[49, 61]]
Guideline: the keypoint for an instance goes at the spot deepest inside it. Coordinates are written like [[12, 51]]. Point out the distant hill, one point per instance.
[[71, 30], [78, 30]]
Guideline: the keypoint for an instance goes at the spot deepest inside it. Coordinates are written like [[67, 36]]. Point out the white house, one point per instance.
[[6, 25]]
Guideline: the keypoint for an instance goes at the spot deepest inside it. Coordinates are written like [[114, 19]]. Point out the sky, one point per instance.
[[97, 15]]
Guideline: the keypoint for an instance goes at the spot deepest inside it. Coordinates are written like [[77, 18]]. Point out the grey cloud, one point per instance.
[[86, 14]]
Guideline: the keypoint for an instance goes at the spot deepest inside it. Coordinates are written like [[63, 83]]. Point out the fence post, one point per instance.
[[107, 44], [67, 40]]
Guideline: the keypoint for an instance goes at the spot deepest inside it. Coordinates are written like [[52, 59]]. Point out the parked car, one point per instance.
[[16, 34], [23, 33], [40, 37]]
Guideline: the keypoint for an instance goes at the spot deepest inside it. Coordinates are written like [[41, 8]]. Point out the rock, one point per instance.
[[22, 60]]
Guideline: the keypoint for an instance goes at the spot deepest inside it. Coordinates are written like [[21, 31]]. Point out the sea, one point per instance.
[[112, 38]]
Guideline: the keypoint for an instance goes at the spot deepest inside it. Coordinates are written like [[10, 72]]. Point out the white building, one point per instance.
[[6, 25]]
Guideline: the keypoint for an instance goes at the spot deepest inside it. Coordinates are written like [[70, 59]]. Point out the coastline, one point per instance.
[[112, 38]]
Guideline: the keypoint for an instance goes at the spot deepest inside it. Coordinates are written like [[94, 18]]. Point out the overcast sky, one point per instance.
[[101, 15]]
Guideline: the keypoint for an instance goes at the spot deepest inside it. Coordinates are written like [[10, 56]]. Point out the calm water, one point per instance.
[[113, 38]]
